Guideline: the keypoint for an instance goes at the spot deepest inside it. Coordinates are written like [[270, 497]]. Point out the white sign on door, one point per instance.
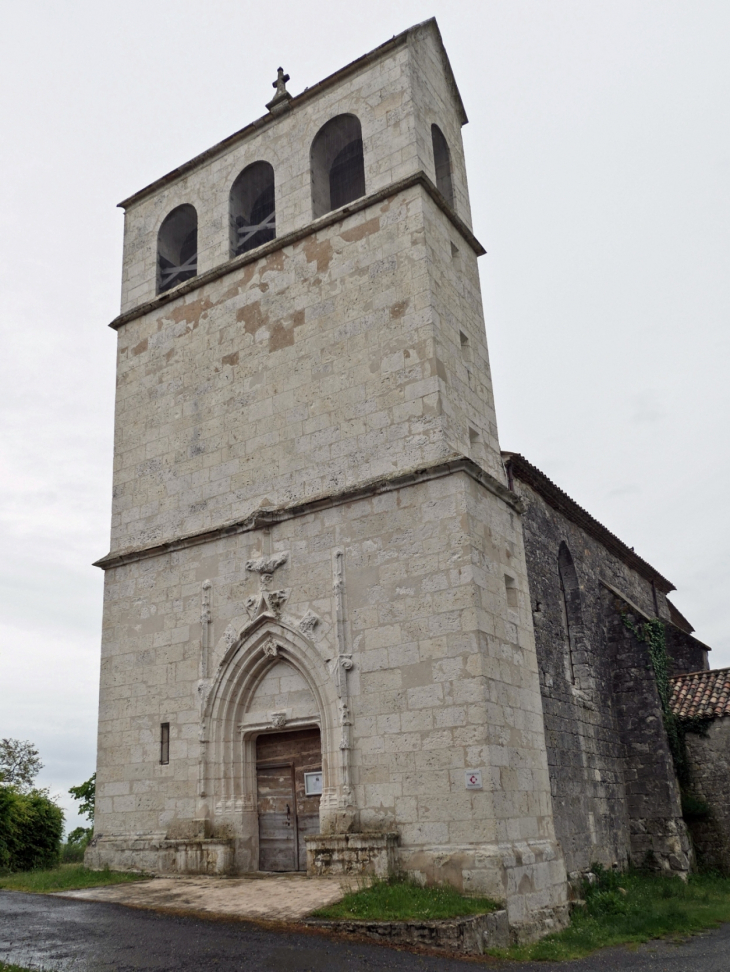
[[473, 779]]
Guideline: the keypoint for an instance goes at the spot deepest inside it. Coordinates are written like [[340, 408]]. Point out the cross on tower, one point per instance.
[[282, 97]]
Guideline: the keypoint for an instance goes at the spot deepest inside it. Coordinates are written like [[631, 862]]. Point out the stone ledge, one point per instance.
[[471, 935], [162, 856], [341, 854], [418, 178], [267, 517]]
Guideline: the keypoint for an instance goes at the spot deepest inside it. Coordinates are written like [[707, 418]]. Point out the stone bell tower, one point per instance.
[[317, 646]]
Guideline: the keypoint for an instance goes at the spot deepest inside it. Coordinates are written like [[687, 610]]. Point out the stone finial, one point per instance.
[[280, 101]]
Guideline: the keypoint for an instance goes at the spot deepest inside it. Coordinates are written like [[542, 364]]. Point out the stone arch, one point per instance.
[[252, 208], [230, 727], [576, 654], [442, 164], [177, 248], [337, 164]]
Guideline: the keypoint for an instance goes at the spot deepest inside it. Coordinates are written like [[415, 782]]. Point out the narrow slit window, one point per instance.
[[510, 586], [442, 164], [165, 742], [570, 605], [177, 248], [338, 166], [252, 208]]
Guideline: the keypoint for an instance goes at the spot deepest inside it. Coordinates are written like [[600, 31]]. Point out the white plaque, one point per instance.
[[473, 779], [313, 784]]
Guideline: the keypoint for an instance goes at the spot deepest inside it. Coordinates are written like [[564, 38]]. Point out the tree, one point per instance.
[[19, 764], [31, 822], [86, 792]]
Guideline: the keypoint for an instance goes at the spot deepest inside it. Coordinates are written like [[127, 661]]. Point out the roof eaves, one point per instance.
[[560, 501]]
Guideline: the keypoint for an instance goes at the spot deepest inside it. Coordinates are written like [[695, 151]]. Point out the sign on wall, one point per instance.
[[313, 784], [473, 779]]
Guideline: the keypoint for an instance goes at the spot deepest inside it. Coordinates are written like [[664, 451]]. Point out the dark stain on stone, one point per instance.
[[361, 231], [230, 359], [139, 348], [321, 252], [252, 317], [398, 310], [281, 337], [190, 312]]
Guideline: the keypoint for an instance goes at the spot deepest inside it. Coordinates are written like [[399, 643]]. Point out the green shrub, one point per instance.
[[31, 826]]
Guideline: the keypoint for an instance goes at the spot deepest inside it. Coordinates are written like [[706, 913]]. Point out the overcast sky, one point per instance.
[[598, 153]]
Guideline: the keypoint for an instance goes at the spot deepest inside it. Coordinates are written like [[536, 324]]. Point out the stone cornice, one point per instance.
[[269, 517], [417, 179]]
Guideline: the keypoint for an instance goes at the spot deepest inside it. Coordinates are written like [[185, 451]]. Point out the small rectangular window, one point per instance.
[[511, 590], [165, 742]]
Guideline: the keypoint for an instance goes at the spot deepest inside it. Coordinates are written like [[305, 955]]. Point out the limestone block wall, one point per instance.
[[443, 679], [709, 759], [297, 375], [614, 791], [379, 89]]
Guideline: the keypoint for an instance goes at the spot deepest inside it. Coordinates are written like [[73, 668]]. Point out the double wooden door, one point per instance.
[[288, 776]]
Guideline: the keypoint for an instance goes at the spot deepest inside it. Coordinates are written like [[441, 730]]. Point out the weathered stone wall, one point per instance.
[[395, 107], [657, 831], [613, 786], [311, 524], [709, 758], [686, 653], [443, 679]]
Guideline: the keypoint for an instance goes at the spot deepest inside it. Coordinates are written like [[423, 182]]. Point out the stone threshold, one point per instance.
[[470, 935]]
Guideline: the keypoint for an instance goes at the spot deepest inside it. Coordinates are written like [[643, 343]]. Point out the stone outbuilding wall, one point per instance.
[[702, 700]]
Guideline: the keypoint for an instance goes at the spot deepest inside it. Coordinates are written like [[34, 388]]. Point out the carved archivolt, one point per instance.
[[228, 764]]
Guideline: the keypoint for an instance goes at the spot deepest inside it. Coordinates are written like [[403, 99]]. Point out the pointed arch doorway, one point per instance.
[[289, 786]]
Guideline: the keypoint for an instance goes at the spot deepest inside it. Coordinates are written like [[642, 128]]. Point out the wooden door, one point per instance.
[[285, 763]]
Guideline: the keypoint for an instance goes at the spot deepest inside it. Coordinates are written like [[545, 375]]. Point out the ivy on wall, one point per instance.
[[654, 635]]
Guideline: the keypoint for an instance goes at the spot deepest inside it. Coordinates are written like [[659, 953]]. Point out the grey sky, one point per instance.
[[598, 153]]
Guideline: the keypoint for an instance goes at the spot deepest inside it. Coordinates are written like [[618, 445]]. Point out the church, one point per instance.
[[344, 633]]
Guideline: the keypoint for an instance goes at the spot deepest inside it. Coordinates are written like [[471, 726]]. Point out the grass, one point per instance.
[[403, 900], [4, 967], [66, 877], [630, 908]]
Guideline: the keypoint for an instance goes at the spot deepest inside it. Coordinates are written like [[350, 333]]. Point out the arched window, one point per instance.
[[338, 169], [442, 164], [177, 248], [252, 210], [570, 604]]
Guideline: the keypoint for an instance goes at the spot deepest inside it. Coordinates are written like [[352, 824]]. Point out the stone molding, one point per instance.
[[268, 517], [418, 178]]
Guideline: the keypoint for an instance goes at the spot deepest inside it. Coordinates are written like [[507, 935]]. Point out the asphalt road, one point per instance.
[[81, 936]]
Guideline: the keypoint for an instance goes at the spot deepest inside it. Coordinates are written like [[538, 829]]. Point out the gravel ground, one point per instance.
[[65, 935]]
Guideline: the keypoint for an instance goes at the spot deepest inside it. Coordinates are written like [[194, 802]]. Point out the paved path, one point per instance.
[[285, 897], [81, 936]]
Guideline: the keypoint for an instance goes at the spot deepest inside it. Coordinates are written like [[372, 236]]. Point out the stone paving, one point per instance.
[[280, 897]]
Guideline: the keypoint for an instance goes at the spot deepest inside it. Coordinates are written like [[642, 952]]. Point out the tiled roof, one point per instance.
[[703, 694], [520, 468]]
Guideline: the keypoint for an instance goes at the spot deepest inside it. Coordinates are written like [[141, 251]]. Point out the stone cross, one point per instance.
[[281, 99]]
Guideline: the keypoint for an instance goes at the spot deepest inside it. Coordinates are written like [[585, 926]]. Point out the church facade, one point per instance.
[[319, 642]]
